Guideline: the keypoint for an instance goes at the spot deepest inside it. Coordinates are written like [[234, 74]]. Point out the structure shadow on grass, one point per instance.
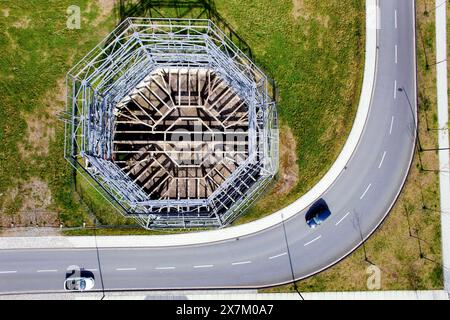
[[188, 9], [181, 9]]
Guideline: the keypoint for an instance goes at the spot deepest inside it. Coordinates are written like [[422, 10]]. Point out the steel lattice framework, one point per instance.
[[172, 123]]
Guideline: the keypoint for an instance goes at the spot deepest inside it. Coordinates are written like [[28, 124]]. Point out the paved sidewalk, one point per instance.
[[442, 95], [240, 295]]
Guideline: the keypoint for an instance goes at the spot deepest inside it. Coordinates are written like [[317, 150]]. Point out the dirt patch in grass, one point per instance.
[[38, 137], [12, 43], [10, 202], [22, 23], [106, 9], [28, 204], [41, 124], [298, 7], [55, 98], [37, 195], [5, 12], [324, 20], [288, 175], [335, 129], [306, 10]]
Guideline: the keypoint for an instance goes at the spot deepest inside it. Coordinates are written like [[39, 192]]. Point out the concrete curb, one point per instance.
[[442, 104], [286, 213]]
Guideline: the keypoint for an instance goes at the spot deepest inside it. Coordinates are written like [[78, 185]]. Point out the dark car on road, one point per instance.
[[317, 214]]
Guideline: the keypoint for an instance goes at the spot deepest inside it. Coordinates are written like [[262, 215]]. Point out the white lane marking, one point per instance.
[[342, 219], [382, 159], [278, 255], [392, 125], [239, 263], [375, 15], [47, 271], [396, 54], [165, 268], [204, 266], [315, 239], [93, 270], [125, 269], [10, 271], [367, 189], [395, 19], [395, 89]]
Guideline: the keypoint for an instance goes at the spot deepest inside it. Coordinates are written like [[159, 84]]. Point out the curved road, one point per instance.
[[359, 200]]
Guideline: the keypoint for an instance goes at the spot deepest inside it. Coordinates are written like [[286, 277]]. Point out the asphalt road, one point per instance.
[[359, 200]]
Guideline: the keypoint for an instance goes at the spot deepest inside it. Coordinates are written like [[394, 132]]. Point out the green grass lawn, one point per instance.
[[308, 47], [37, 50]]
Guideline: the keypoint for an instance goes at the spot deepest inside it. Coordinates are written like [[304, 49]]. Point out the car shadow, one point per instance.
[[79, 272]]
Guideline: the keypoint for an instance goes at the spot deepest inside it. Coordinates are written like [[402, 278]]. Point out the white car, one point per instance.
[[79, 284]]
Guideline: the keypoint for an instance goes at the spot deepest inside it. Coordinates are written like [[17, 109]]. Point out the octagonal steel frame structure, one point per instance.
[[113, 68]]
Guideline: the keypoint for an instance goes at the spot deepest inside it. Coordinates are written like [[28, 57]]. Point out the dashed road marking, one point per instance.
[[313, 240], [278, 256], [395, 89], [240, 263], [126, 269], [365, 192], [392, 125], [47, 271], [382, 160], [396, 54], [342, 219], [8, 271], [395, 19], [165, 268], [204, 266]]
